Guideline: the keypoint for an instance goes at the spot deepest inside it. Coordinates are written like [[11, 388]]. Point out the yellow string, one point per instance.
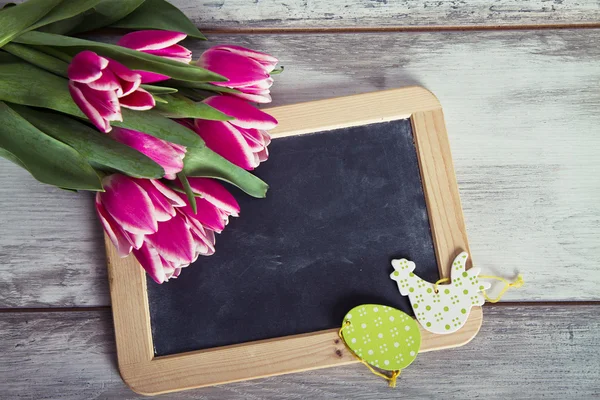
[[507, 285], [391, 379]]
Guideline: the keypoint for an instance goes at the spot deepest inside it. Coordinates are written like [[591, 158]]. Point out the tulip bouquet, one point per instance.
[[138, 122]]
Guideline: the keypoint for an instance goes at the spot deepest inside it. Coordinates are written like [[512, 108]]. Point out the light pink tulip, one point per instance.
[[246, 70], [157, 224], [158, 43], [166, 154], [244, 140], [101, 86]]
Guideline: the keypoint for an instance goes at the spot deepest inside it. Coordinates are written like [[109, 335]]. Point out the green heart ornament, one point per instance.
[[382, 336]]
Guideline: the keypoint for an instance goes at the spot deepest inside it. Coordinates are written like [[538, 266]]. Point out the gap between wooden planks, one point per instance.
[[401, 28], [24, 310]]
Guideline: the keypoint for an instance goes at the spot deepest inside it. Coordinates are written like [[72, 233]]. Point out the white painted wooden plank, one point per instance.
[[311, 14], [526, 352], [51, 244], [522, 114], [273, 14]]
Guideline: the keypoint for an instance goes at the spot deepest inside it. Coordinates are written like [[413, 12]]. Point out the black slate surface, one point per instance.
[[342, 204]]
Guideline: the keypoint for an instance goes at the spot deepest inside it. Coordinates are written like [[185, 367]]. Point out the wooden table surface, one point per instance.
[[520, 85]]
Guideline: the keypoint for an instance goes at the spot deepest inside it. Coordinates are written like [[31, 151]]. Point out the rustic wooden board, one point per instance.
[[521, 109], [521, 352], [377, 14], [304, 14]]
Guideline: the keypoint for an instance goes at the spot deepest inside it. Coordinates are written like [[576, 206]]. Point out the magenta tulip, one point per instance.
[[188, 235], [130, 209], [246, 70], [166, 154], [158, 43], [157, 224], [101, 86], [244, 140]]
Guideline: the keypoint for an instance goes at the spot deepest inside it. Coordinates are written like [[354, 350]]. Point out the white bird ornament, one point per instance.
[[445, 308]]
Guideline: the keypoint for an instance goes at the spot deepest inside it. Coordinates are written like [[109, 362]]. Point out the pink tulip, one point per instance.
[[244, 140], [246, 70], [158, 43], [155, 223], [166, 154], [101, 86]]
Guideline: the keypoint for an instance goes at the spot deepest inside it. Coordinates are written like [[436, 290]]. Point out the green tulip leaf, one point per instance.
[[11, 157], [133, 59], [63, 26], [47, 159], [16, 19], [181, 107], [203, 162], [203, 86], [153, 123], [97, 148], [159, 14], [65, 10], [106, 12], [159, 89], [37, 58], [25, 84]]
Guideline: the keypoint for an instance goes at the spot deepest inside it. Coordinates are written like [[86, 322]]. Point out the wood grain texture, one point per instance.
[[521, 110], [314, 14], [310, 14], [525, 352]]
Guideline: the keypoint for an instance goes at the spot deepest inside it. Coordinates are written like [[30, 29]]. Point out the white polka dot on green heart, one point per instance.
[[382, 336]]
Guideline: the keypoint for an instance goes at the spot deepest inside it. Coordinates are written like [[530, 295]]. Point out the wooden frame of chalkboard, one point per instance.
[[148, 374]]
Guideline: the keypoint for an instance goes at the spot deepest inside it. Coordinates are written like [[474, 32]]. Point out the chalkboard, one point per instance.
[[342, 204], [355, 182]]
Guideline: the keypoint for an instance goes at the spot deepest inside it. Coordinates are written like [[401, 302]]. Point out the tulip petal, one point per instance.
[[268, 61], [264, 85], [255, 139], [104, 102], [173, 240], [246, 115], [151, 77], [253, 98], [204, 242], [160, 151], [84, 105], [215, 193], [149, 259], [86, 67], [171, 271], [163, 209], [150, 39], [130, 80], [112, 229], [238, 69], [108, 81], [207, 214], [263, 155], [138, 100], [174, 52], [227, 141], [128, 204], [175, 199]]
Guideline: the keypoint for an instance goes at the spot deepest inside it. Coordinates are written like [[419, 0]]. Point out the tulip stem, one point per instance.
[[188, 190]]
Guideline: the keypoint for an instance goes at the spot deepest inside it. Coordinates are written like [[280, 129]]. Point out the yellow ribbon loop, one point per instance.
[[391, 379], [507, 285]]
